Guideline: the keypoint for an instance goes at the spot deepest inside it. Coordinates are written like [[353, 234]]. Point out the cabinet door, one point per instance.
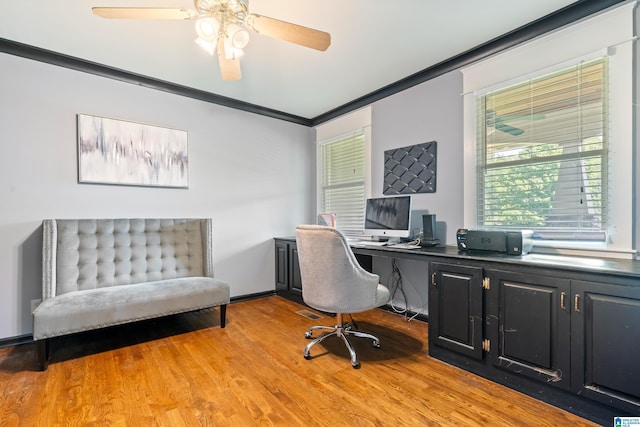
[[528, 326], [455, 308], [295, 280], [282, 266], [605, 339]]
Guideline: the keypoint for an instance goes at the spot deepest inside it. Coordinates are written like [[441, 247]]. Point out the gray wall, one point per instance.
[[247, 172], [431, 111]]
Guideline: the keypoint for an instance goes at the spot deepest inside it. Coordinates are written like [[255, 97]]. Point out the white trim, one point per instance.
[[584, 250], [538, 73], [344, 125], [470, 168]]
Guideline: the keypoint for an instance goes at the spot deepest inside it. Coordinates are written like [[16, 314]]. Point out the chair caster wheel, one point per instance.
[[376, 344], [308, 334], [307, 356], [356, 365]]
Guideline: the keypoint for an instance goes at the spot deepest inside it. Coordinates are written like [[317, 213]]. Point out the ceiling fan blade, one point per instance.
[[509, 129], [229, 68], [293, 33], [535, 116], [498, 123], [143, 13]]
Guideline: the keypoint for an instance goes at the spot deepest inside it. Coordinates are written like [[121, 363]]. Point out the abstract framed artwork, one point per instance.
[[120, 152]]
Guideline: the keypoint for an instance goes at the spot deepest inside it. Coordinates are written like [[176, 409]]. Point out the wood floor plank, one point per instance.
[[185, 370]]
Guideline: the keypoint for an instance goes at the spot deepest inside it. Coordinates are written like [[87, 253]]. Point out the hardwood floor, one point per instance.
[[185, 370]]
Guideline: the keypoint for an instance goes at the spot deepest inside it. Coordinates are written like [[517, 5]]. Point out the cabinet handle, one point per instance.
[[433, 279], [562, 298], [576, 304]]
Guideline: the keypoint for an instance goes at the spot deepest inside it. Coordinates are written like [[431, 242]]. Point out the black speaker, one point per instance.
[[429, 227], [429, 230], [514, 243]]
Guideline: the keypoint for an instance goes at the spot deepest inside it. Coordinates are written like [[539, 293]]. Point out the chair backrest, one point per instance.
[[332, 279]]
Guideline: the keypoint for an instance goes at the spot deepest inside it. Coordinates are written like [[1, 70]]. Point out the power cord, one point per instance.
[[397, 285], [353, 322], [418, 238]]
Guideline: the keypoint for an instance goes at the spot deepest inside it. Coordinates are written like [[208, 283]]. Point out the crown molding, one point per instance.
[[560, 18], [50, 57], [574, 12]]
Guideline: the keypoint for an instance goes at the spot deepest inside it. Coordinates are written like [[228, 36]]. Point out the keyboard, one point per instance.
[[404, 246], [366, 243]]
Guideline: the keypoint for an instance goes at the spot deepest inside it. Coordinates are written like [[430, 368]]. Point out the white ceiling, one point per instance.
[[374, 44]]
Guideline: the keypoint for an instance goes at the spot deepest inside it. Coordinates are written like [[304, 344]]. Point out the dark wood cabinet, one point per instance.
[[456, 309], [282, 266], [539, 330], [605, 343], [295, 280], [288, 279], [528, 325]]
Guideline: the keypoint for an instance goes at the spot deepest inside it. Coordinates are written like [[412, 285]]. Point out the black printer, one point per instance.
[[509, 242]]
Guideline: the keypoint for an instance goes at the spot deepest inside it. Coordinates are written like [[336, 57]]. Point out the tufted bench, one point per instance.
[[104, 272]]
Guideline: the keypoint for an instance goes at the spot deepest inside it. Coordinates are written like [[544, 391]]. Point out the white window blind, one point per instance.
[[542, 154], [341, 173]]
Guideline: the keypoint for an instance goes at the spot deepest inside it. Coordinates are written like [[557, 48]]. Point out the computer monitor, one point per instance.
[[388, 217]]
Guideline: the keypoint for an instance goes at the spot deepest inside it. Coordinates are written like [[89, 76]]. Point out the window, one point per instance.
[[341, 178], [343, 169], [569, 173], [542, 154]]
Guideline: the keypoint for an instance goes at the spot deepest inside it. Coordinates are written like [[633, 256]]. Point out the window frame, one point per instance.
[[358, 121], [346, 184], [608, 33]]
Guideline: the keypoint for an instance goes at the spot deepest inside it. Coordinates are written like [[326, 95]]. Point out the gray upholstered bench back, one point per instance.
[[83, 254]]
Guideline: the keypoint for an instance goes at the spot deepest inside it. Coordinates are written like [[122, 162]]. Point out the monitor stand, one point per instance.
[[375, 238]]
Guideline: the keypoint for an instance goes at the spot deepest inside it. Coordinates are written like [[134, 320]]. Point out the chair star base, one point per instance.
[[340, 330]]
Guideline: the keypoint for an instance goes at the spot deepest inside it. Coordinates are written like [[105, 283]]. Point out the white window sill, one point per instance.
[[585, 249]]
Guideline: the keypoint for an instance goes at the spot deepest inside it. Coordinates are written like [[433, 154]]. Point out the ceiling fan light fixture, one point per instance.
[[207, 28], [238, 36], [205, 6], [230, 51]]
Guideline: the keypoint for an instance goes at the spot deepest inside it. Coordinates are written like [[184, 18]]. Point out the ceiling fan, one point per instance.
[[222, 25], [497, 122]]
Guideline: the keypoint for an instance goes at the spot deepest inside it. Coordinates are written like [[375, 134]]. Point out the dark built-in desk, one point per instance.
[[565, 330]]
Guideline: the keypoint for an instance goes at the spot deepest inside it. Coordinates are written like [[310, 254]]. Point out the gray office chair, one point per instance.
[[334, 282]]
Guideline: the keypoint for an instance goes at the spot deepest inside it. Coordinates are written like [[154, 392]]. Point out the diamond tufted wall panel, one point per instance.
[[409, 170]]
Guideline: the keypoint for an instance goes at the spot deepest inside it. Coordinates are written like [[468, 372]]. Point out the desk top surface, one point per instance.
[[619, 267]]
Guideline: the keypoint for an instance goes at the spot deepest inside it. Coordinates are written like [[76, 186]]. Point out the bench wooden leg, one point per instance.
[[42, 348], [223, 315]]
